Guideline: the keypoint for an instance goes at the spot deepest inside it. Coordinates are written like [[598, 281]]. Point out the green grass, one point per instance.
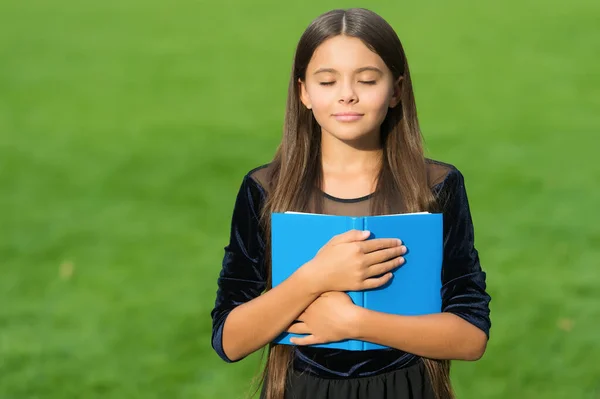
[[125, 130]]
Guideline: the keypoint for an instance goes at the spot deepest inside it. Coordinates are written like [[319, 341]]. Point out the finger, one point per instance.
[[299, 328], [376, 282], [383, 255], [377, 244], [382, 268], [308, 340], [350, 236]]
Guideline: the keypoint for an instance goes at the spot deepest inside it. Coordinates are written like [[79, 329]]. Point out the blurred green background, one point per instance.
[[127, 126]]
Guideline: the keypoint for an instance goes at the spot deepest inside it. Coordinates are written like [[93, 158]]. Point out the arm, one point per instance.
[[254, 324], [462, 329], [437, 336], [243, 319]]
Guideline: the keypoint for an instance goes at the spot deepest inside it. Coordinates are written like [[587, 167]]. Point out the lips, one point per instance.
[[348, 116]]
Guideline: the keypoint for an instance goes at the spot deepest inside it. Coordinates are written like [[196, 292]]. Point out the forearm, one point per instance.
[[254, 324], [436, 336]]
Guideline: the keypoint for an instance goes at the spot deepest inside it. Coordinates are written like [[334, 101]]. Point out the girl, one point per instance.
[[351, 146]]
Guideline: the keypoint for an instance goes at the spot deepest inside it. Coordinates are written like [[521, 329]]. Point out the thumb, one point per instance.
[[306, 340]]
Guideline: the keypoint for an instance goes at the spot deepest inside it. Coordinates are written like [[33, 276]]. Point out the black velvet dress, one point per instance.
[[330, 373]]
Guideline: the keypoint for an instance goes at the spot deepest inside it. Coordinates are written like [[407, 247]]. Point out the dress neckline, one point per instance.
[[347, 200]]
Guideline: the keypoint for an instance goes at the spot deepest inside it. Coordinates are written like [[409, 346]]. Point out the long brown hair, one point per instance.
[[296, 170]]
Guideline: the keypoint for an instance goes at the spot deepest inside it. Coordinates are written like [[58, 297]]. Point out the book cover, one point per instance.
[[415, 288]]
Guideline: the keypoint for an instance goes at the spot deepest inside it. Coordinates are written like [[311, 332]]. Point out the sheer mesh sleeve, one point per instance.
[[243, 273], [463, 280]]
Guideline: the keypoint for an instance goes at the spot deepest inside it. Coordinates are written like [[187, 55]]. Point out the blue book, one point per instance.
[[415, 288]]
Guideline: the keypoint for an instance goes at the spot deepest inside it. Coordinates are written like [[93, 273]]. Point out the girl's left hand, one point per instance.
[[330, 318]]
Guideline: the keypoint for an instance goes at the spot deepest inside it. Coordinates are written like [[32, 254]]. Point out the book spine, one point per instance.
[[358, 297], [363, 345]]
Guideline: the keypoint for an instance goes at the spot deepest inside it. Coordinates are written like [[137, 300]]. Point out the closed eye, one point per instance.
[[367, 82]]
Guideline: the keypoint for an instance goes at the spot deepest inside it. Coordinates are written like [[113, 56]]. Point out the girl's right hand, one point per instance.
[[350, 262]]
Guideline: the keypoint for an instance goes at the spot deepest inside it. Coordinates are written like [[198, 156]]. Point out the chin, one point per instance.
[[349, 133]]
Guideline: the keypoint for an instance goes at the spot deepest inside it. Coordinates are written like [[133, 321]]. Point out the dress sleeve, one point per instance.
[[463, 280], [243, 274]]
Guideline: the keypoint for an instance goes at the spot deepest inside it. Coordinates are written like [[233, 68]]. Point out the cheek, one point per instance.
[[376, 100], [323, 105], [379, 103], [322, 100]]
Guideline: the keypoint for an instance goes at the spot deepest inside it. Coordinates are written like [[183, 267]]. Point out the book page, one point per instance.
[[306, 213], [404, 214]]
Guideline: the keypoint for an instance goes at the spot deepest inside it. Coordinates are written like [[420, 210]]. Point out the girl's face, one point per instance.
[[349, 89]]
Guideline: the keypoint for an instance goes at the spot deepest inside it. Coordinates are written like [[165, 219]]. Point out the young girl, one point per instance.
[[351, 146]]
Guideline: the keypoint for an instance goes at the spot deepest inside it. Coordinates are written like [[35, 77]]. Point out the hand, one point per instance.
[[349, 263], [330, 318]]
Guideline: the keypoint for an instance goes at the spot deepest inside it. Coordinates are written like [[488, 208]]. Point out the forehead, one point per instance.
[[344, 53]]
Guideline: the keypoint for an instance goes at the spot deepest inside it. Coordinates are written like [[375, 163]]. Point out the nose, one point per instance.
[[347, 94]]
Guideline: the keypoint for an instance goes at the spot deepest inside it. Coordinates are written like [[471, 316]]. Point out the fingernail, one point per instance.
[[403, 248], [366, 233], [399, 242]]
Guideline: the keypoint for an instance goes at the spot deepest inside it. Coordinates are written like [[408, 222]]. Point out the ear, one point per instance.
[[304, 94], [396, 93]]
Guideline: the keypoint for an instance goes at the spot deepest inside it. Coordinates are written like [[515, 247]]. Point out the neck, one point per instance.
[[358, 156]]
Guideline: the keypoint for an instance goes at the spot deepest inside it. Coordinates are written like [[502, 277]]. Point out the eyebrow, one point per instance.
[[367, 68]]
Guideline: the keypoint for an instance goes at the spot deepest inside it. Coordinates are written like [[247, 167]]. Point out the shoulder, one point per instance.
[[255, 186], [447, 184], [442, 174], [251, 195], [260, 178]]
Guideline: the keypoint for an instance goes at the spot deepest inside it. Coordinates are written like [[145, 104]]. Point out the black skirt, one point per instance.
[[411, 382]]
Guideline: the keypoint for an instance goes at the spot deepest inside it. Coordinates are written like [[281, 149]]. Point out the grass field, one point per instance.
[[126, 127]]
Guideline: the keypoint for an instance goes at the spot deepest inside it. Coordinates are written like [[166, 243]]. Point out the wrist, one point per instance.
[[308, 279], [356, 322]]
